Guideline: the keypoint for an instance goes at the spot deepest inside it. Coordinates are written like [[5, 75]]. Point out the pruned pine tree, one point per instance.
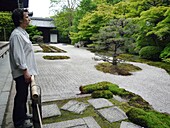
[[115, 34]]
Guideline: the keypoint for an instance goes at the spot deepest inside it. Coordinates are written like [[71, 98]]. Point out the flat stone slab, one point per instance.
[[50, 110], [100, 103], [118, 98], [87, 122], [125, 124], [75, 106], [2, 111], [113, 114]]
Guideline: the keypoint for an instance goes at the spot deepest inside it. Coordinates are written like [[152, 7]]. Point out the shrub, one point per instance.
[[150, 53], [149, 118], [37, 39], [102, 94], [165, 54]]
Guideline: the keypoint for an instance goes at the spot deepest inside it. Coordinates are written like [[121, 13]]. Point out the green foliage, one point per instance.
[[63, 21], [102, 94], [153, 28], [165, 53], [91, 23], [117, 33], [150, 53], [84, 7], [149, 118], [33, 31], [6, 25], [37, 39]]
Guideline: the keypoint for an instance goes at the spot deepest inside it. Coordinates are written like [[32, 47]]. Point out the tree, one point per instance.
[[114, 35], [92, 22], [153, 27], [68, 7], [6, 25], [86, 6]]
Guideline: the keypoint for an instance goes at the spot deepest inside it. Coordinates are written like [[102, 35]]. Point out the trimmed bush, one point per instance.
[[37, 39], [102, 94], [150, 53], [148, 119]]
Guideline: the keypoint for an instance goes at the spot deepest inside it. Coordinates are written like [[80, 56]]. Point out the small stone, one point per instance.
[[113, 114], [118, 98], [125, 124], [50, 110], [100, 103], [75, 106]]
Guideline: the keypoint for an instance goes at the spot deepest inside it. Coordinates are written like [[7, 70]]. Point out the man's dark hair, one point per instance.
[[18, 15]]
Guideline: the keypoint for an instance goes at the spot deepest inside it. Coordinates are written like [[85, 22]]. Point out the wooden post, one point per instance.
[[36, 104]]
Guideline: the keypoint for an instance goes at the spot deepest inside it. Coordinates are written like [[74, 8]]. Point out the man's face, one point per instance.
[[26, 20]]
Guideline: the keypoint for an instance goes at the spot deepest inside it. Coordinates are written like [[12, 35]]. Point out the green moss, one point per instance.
[[102, 94], [100, 90], [149, 118], [93, 87], [49, 48], [120, 69], [55, 57]]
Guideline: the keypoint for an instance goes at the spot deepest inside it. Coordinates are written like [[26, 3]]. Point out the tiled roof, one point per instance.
[[10, 5], [42, 22]]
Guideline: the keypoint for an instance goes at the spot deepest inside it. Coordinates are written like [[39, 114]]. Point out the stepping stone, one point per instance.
[[75, 106], [50, 110], [100, 103], [87, 122], [118, 98], [125, 124], [113, 114]]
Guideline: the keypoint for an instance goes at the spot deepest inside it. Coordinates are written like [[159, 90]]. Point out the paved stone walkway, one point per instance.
[[107, 110], [5, 85]]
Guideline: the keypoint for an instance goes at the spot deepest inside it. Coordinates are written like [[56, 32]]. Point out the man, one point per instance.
[[22, 62]]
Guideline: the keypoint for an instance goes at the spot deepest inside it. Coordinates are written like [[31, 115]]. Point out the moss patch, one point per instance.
[[55, 57], [104, 87], [120, 69], [149, 118], [51, 49]]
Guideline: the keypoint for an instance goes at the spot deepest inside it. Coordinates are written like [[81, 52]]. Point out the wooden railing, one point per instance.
[[35, 93], [4, 47]]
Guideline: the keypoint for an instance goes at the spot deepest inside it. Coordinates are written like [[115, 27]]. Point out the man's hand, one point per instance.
[[27, 76]]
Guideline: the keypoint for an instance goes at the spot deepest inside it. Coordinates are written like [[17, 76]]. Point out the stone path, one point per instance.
[[111, 114]]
